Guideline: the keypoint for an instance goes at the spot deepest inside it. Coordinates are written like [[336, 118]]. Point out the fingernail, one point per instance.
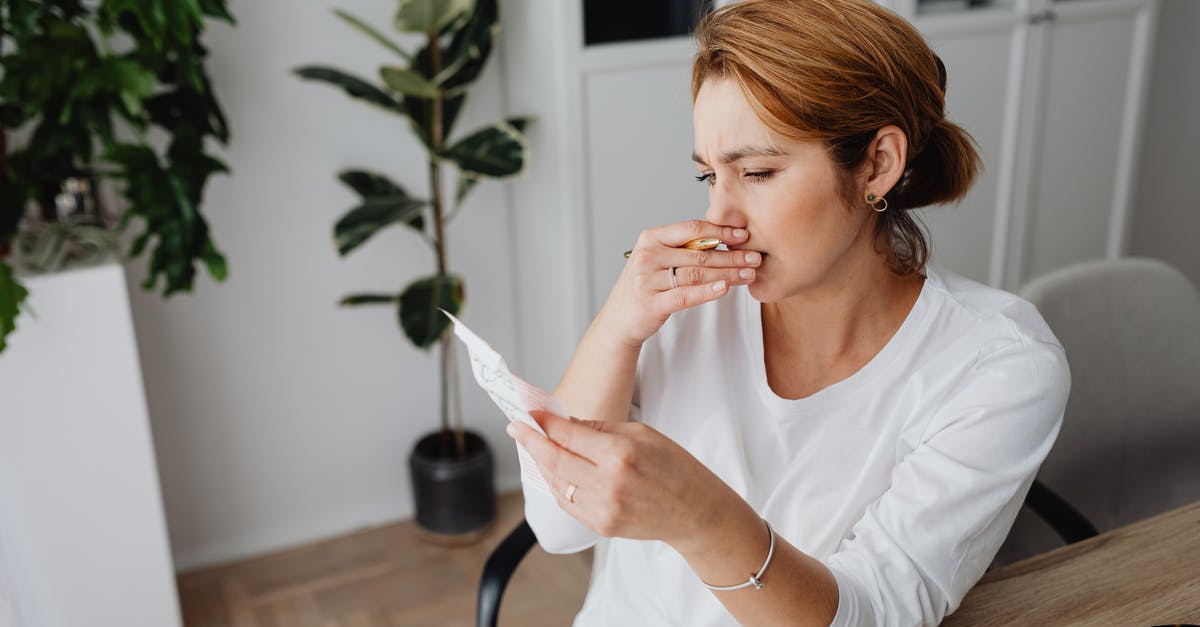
[[718, 286], [511, 430], [746, 273], [753, 257], [739, 233]]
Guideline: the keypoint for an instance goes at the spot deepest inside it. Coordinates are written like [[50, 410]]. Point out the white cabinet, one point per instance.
[[1051, 91], [981, 71], [1088, 80], [639, 170]]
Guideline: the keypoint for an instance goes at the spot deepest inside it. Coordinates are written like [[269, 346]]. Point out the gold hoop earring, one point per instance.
[[875, 201]]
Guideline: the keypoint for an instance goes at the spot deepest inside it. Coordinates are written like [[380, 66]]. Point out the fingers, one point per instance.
[[685, 296], [698, 275], [560, 467], [586, 438], [652, 257], [680, 233], [679, 257]]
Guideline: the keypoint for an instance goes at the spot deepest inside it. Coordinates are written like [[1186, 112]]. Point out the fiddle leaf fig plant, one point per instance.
[[83, 85], [426, 87]]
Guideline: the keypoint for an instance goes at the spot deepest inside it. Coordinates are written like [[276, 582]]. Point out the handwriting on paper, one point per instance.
[[512, 394]]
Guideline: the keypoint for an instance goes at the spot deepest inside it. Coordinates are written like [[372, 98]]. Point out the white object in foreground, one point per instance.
[[83, 540]]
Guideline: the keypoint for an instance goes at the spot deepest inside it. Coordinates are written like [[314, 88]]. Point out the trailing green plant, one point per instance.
[[85, 82], [426, 87]]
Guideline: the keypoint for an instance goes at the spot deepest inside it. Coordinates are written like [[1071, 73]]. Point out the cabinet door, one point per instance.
[[638, 133], [978, 68], [1092, 64]]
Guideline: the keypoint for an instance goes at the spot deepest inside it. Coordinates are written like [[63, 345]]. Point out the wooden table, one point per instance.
[[1144, 574]]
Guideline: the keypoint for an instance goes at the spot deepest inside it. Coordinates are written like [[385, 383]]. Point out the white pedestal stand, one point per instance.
[[83, 539]]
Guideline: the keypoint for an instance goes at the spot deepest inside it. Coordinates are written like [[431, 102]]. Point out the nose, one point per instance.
[[724, 208]]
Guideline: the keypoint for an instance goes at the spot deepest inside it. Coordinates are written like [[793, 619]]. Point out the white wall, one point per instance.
[[278, 417], [1166, 223]]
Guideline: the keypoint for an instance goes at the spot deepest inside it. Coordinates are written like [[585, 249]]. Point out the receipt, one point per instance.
[[512, 394]]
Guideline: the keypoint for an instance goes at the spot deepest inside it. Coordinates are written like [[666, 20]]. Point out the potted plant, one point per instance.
[[451, 468], [83, 86]]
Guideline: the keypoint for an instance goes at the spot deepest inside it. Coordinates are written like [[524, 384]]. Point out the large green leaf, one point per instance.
[[429, 16], [369, 299], [407, 82], [419, 304], [466, 182], [370, 31], [495, 151], [352, 85], [466, 55], [362, 222], [12, 294], [217, 9], [470, 46], [372, 185]]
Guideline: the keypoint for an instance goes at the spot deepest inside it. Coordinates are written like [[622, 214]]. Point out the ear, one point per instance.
[[886, 157]]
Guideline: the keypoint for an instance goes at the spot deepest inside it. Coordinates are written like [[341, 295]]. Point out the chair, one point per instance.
[[499, 569], [1127, 450]]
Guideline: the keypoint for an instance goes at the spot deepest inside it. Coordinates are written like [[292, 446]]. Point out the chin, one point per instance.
[[775, 288], [762, 292]]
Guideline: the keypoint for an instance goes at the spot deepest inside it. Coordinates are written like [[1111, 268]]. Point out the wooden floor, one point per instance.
[[384, 576]]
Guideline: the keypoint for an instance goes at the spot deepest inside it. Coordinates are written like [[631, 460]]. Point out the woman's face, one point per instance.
[[784, 192]]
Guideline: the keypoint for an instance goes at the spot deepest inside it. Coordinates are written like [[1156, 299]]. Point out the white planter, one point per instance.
[[83, 540]]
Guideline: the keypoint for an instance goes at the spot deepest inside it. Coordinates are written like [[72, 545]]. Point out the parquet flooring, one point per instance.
[[384, 577]]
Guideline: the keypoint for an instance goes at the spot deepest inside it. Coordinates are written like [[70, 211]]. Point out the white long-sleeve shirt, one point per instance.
[[903, 478]]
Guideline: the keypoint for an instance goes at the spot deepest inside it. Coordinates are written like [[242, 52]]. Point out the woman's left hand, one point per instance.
[[630, 480]]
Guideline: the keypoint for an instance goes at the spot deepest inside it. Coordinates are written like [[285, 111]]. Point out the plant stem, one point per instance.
[[435, 193]]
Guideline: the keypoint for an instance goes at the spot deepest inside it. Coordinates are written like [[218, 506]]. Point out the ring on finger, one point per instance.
[[571, 493], [674, 282]]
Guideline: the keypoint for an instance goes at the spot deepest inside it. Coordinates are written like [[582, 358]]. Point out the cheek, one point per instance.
[[798, 217]]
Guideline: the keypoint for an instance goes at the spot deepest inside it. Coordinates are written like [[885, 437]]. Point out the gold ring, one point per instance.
[[703, 243], [571, 493]]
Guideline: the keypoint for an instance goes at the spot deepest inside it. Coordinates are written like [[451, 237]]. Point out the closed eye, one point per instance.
[[756, 176]]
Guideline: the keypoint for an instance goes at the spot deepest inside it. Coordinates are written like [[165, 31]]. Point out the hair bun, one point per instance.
[[942, 172]]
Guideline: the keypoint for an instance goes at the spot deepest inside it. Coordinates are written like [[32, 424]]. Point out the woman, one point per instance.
[[814, 426]]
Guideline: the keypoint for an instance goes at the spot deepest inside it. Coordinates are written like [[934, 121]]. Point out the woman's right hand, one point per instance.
[[643, 299]]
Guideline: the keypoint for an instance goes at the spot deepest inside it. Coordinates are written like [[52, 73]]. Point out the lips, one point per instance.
[[740, 248]]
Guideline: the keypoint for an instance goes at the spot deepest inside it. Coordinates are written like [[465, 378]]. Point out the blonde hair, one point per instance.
[[837, 71]]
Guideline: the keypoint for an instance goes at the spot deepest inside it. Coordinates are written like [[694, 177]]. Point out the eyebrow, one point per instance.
[[742, 152]]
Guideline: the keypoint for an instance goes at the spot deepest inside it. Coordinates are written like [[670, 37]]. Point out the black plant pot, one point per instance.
[[455, 496]]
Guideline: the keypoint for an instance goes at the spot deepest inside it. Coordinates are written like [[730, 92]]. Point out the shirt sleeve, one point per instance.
[[556, 530], [924, 542]]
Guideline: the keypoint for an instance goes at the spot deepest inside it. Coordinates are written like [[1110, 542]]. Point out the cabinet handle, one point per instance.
[[1045, 16]]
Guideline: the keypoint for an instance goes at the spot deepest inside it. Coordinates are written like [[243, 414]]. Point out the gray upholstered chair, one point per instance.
[[1130, 442]]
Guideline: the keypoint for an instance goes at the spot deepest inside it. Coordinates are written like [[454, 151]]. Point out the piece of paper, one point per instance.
[[512, 394]]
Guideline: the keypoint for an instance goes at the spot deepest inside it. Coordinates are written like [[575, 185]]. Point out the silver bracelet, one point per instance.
[[755, 579]]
